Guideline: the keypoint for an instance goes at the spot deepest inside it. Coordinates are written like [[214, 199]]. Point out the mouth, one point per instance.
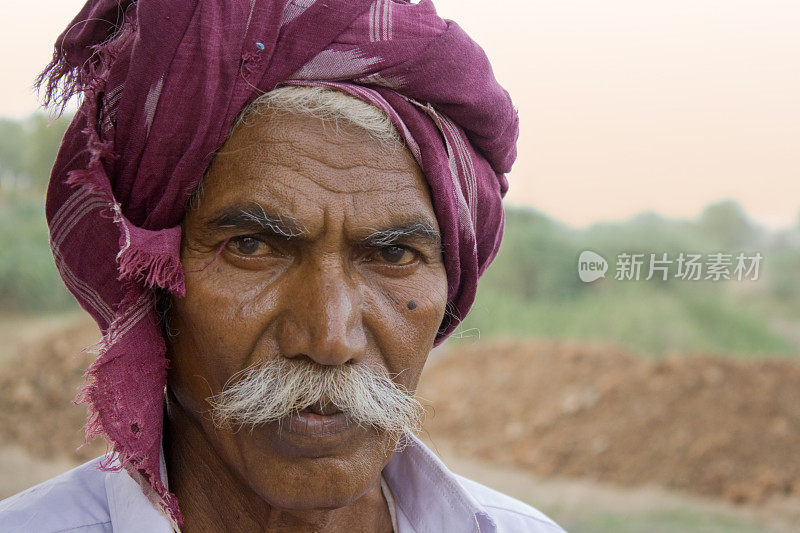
[[322, 408], [318, 422]]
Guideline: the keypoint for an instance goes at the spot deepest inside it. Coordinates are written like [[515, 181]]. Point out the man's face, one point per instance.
[[320, 258]]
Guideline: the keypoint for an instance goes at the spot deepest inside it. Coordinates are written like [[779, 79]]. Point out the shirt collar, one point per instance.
[[134, 505], [130, 509], [429, 495]]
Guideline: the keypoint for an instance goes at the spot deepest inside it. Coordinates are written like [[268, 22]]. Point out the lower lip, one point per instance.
[[313, 425]]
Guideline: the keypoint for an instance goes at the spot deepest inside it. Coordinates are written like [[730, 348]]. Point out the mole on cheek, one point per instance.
[[412, 304]]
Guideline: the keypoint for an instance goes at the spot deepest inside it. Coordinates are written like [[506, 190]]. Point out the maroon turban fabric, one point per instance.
[[162, 82]]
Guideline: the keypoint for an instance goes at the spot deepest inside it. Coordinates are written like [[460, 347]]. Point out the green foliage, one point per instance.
[[29, 280], [28, 149], [533, 290], [41, 146], [646, 320], [727, 224], [12, 147], [784, 288], [537, 263]]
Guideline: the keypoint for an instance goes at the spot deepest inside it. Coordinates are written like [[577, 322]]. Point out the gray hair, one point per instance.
[[325, 103], [271, 390]]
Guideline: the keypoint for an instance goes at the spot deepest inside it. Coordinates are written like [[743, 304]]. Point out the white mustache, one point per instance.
[[274, 389]]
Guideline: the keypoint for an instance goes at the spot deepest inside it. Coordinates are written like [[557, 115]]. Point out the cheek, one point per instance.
[[405, 333], [215, 334]]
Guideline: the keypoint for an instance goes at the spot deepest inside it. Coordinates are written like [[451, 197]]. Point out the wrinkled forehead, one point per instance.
[[315, 171], [348, 127]]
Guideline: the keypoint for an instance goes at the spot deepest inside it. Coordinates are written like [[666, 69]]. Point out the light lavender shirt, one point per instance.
[[427, 498]]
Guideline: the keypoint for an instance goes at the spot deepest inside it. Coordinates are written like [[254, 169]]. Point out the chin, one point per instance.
[[312, 492], [299, 476]]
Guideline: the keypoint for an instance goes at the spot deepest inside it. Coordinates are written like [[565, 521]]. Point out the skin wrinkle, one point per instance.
[[325, 297], [362, 171], [341, 160]]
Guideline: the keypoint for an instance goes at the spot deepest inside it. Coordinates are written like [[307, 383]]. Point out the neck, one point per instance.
[[212, 498]]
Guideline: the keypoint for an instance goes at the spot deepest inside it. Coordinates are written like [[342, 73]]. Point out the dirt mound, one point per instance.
[[37, 386], [717, 427]]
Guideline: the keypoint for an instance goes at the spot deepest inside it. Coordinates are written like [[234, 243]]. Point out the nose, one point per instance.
[[323, 320]]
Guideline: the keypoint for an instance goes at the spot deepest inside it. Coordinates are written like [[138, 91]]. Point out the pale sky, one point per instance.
[[625, 105]]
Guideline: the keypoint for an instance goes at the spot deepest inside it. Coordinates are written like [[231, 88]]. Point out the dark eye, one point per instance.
[[246, 245], [396, 254]]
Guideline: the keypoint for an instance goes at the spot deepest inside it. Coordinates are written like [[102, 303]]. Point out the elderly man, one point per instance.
[[274, 210]]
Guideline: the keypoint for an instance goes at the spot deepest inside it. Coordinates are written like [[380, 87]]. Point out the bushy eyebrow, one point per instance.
[[256, 218], [416, 230]]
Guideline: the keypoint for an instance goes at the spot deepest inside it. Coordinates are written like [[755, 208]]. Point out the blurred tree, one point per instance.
[[12, 147], [42, 142], [29, 280], [727, 225], [537, 258]]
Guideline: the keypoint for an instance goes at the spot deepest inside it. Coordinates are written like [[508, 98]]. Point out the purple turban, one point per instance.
[[162, 82]]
